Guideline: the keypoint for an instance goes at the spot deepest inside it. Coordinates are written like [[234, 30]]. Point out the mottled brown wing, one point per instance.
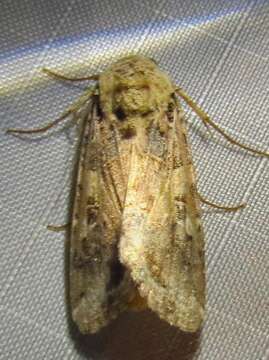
[[100, 287], [162, 241]]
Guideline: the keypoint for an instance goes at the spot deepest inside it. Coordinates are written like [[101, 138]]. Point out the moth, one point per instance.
[[136, 234]]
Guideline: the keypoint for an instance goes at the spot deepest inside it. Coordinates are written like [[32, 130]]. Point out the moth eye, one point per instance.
[[119, 112]]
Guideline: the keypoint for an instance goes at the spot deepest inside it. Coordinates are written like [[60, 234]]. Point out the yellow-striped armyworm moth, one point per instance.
[[136, 235]]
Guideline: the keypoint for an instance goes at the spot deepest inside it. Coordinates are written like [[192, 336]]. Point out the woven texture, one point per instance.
[[218, 51]]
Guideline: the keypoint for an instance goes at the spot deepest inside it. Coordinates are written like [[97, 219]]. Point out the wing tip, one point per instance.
[[87, 317], [191, 322], [185, 312], [187, 320]]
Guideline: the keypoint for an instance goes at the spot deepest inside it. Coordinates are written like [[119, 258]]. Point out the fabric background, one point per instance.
[[218, 51]]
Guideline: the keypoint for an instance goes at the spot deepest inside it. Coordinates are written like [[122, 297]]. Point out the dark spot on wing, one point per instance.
[[189, 237], [185, 138], [170, 112], [99, 111], [128, 133], [177, 162], [119, 112], [117, 271], [91, 200], [92, 213], [82, 294]]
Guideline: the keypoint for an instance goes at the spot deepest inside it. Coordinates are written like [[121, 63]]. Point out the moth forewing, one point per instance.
[[162, 241], [99, 285]]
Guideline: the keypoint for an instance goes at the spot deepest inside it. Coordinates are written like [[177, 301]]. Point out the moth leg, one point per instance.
[[207, 121], [222, 207], [41, 129], [58, 228], [73, 108], [66, 78]]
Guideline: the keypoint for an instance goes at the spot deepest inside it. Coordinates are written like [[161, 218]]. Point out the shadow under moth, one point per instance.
[[136, 235]]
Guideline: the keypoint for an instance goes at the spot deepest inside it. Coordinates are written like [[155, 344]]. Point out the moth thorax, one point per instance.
[[132, 101]]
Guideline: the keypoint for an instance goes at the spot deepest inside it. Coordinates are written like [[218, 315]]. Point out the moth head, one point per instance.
[[134, 100]]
